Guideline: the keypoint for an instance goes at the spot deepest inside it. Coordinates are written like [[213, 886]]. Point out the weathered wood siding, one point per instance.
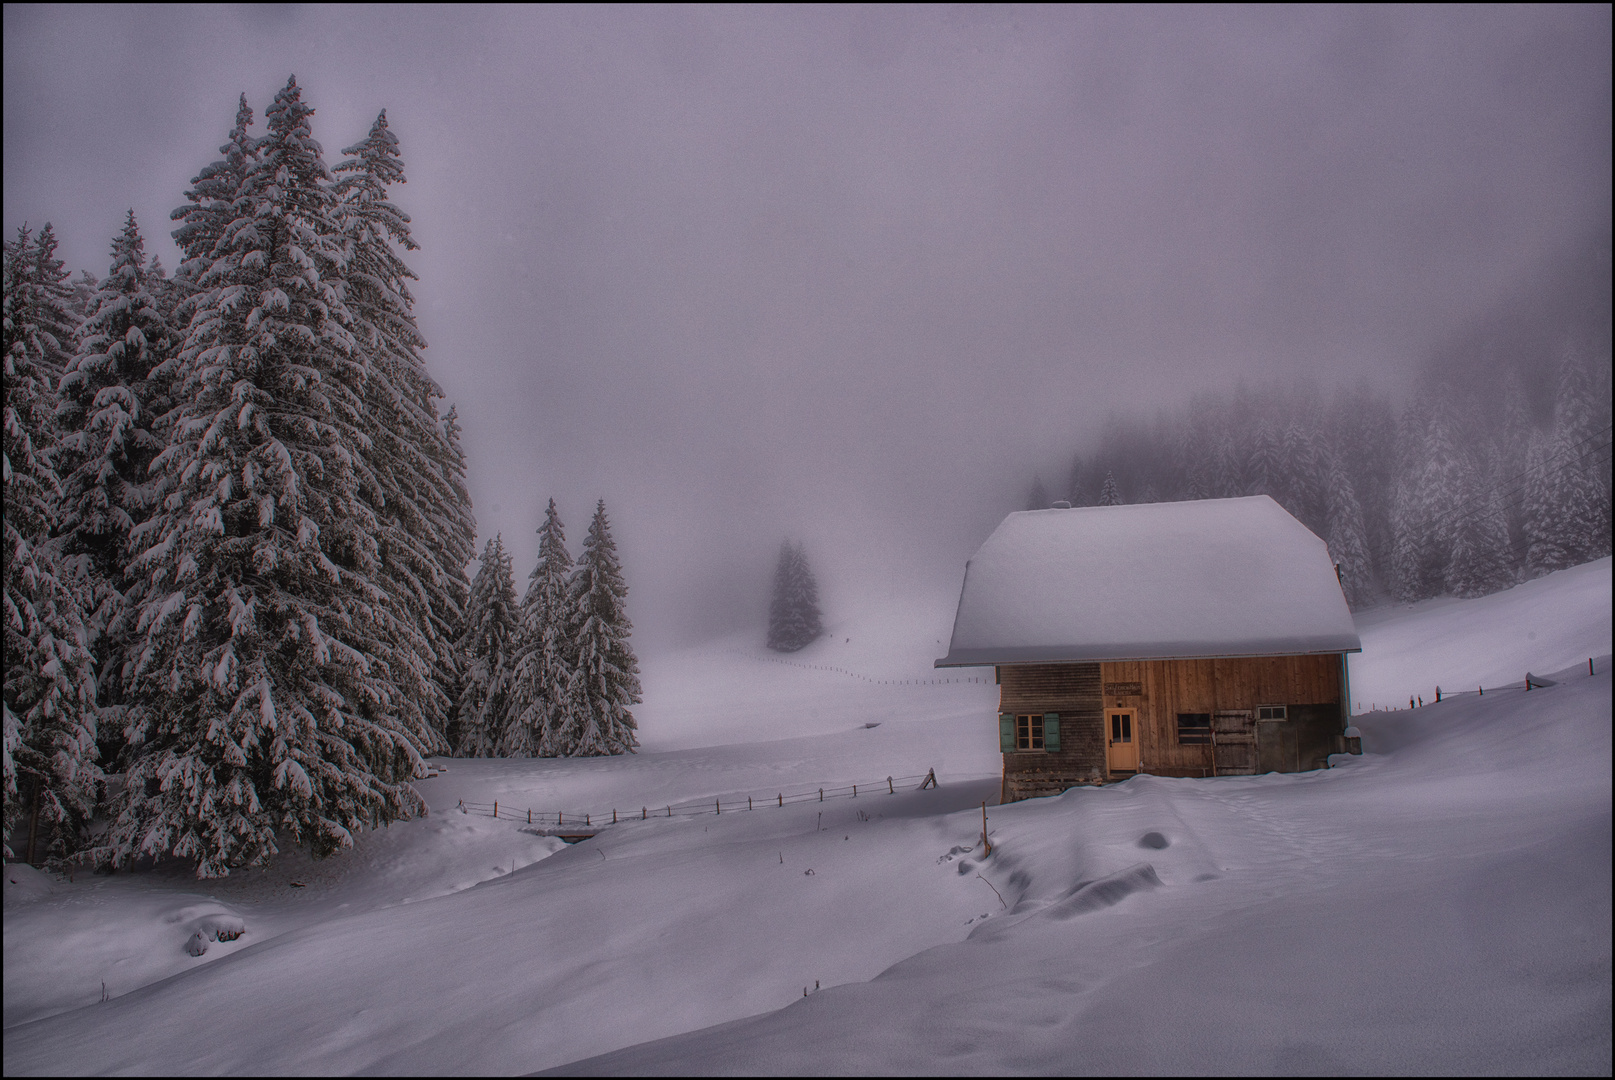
[[1311, 687], [1073, 691], [1168, 687]]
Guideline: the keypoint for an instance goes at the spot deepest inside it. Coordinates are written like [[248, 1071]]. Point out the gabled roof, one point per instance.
[[1217, 577]]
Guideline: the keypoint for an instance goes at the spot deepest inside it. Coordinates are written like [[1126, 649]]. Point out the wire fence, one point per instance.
[[871, 679], [1530, 682], [757, 800]]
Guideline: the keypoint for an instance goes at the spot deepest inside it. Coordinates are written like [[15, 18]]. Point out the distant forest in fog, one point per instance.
[[1496, 469]]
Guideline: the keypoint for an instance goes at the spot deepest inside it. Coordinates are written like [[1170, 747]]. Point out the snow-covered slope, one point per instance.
[[1439, 904], [1540, 626]]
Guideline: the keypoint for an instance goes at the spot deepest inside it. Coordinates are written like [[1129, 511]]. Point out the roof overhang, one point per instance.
[[1118, 653]]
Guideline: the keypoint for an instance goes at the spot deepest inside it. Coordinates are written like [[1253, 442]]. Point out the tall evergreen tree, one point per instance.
[[605, 674], [1344, 533], [459, 545], [114, 398], [264, 700], [794, 620], [489, 656], [50, 719], [1481, 561], [401, 476], [1265, 468], [544, 651], [1427, 506]]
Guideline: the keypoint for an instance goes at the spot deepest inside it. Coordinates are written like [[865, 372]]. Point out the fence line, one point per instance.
[[756, 801], [1530, 682], [871, 679]]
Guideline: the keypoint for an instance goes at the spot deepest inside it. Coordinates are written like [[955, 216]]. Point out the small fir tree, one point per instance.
[[605, 674], [1110, 495]]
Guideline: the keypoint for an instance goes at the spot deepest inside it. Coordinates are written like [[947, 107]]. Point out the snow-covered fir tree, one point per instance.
[[413, 501], [1076, 484], [50, 718], [794, 620], [459, 545], [488, 656], [1265, 469], [212, 197], [1581, 442], [114, 401], [1109, 494], [605, 674], [1427, 507], [1344, 532], [544, 651], [1481, 559], [263, 708]]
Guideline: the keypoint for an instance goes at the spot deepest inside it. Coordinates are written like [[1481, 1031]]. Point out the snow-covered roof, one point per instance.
[[1216, 577]]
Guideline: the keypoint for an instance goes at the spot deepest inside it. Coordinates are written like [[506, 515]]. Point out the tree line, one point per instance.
[[1465, 491], [237, 529]]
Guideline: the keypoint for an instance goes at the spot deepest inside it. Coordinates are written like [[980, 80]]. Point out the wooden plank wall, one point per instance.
[[1165, 688], [1072, 690]]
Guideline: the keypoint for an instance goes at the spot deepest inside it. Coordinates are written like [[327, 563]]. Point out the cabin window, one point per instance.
[[1272, 712], [1194, 728], [1029, 732]]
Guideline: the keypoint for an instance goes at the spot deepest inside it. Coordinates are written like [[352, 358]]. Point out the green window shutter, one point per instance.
[[1006, 732], [1051, 731]]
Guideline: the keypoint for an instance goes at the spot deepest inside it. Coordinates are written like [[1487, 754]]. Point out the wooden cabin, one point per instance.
[[1203, 638]]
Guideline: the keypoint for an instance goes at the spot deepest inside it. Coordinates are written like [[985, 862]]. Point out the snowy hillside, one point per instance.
[[1440, 904]]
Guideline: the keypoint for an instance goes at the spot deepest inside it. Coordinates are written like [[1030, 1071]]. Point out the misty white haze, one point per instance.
[[845, 276]]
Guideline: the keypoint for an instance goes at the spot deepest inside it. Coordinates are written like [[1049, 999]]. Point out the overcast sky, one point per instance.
[[850, 275]]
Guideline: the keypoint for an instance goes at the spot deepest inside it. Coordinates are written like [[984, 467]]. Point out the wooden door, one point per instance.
[[1121, 740], [1233, 743]]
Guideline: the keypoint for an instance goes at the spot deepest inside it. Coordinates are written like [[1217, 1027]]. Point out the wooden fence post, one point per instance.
[[890, 790], [496, 808], [782, 798], [986, 844]]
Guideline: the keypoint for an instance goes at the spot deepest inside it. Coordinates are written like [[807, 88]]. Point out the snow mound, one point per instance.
[[1107, 891], [24, 884]]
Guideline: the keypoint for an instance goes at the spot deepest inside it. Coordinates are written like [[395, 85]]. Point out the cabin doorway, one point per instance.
[[1121, 740]]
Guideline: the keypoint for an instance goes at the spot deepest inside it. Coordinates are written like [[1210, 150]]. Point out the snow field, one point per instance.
[[1539, 626], [1439, 904]]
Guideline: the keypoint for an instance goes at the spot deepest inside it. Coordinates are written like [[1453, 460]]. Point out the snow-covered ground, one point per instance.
[[1441, 904]]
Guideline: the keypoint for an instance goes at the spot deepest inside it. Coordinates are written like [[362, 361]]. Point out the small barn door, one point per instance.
[[1233, 743], [1121, 740]]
